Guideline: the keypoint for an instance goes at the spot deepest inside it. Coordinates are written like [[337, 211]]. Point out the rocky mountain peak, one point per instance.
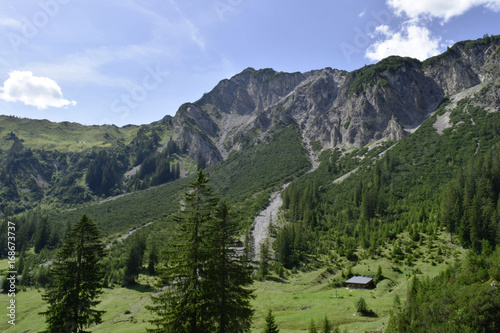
[[383, 101]]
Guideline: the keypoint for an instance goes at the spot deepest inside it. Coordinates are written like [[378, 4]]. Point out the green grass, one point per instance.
[[246, 179], [4, 266], [126, 312], [28, 305], [313, 288], [65, 136]]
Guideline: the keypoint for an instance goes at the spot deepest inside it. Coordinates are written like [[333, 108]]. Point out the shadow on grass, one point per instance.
[[368, 313], [276, 279], [141, 288]]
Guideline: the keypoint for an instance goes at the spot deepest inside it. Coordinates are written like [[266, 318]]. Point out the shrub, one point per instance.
[[362, 308]]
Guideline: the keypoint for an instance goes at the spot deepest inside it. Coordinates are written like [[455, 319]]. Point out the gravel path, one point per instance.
[[265, 217], [262, 221], [129, 233]]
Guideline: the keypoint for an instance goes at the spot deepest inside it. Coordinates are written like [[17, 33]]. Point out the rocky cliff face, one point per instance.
[[332, 108], [386, 100]]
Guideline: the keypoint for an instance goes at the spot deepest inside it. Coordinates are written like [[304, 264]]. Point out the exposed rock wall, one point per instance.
[[333, 107]]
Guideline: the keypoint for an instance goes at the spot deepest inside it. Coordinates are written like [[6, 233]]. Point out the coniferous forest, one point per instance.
[[152, 229]]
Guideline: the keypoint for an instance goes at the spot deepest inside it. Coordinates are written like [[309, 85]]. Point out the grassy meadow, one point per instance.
[[64, 136], [309, 287]]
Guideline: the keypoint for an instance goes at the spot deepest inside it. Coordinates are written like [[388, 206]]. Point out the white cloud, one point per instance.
[[382, 29], [444, 9], [412, 41], [10, 23], [37, 91]]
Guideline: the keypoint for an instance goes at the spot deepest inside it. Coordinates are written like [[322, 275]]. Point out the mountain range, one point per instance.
[[56, 164], [393, 168]]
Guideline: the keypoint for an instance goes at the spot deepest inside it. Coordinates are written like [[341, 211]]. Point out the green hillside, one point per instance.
[[421, 215], [388, 213], [64, 136], [246, 180], [44, 164]]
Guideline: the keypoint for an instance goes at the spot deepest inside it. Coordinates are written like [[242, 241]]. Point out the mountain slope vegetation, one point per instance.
[[408, 176]]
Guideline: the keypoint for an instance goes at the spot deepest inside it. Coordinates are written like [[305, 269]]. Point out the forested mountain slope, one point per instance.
[[409, 171], [61, 164]]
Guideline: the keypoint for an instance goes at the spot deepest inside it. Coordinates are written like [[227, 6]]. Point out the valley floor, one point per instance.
[[310, 289]]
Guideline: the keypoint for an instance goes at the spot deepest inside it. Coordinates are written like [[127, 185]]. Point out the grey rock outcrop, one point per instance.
[[333, 107]]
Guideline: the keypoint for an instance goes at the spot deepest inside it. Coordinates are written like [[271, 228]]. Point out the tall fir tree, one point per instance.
[[134, 260], [182, 307], [152, 259], [132, 267], [42, 235], [249, 246], [263, 271], [76, 281], [205, 277], [228, 273]]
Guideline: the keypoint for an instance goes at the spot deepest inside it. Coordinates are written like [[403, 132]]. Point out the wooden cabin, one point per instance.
[[360, 282]]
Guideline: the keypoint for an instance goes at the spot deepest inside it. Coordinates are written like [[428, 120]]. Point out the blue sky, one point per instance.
[[134, 61]]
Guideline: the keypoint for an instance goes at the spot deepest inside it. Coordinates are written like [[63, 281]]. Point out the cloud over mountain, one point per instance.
[[415, 37], [40, 92], [443, 9], [412, 41]]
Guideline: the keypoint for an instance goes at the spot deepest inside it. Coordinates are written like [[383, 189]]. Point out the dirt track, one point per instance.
[[265, 217]]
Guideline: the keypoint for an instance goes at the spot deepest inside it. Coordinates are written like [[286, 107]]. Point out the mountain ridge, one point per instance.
[[332, 108], [384, 100]]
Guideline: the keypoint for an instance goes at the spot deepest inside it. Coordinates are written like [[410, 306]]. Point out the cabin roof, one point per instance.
[[359, 280]]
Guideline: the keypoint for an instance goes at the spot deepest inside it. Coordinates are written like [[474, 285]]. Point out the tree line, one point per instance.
[[463, 298], [204, 281], [470, 206]]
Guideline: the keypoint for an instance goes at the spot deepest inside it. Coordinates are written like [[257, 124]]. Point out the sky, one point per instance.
[[135, 61]]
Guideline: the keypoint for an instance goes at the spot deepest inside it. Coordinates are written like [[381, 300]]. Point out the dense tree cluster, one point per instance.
[[145, 143], [76, 281], [425, 183], [158, 168], [206, 277], [34, 229], [103, 173], [463, 298], [470, 205]]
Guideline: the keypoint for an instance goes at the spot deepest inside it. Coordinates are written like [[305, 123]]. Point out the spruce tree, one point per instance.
[[327, 326], [312, 327], [152, 260], [42, 235], [133, 267], [263, 272], [76, 281], [228, 273], [379, 276], [134, 260], [205, 277], [182, 307], [249, 246], [271, 326]]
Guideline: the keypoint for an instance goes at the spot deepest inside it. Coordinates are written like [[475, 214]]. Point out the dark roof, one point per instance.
[[359, 280]]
